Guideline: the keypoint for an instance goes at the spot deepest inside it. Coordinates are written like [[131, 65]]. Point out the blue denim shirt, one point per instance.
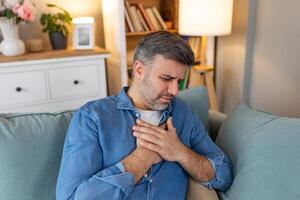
[[100, 136]]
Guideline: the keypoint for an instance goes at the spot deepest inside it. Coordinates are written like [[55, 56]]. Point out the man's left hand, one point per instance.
[[164, 142]]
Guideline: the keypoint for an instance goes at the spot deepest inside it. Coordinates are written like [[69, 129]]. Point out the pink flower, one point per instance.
[[15, 8], [24, 11]]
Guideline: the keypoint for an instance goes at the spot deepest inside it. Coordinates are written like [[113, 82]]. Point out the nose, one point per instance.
[[173, 88]]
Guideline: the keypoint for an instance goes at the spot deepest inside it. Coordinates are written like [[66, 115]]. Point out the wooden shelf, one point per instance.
[[128, 34], [54, 54], [122, 44]]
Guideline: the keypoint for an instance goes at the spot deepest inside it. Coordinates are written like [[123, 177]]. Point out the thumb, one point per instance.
[[170, 124]]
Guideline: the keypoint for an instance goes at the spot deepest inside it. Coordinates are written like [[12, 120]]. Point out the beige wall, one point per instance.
[[268, 56], [231, 53], [275, 85], [77, 8]]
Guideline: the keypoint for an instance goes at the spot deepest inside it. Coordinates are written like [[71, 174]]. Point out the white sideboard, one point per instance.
[[52, 81]]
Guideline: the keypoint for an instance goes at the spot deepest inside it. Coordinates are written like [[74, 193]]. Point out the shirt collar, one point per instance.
[[123, 102]]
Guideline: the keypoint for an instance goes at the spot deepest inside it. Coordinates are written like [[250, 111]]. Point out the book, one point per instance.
[[195, 44], [131, 16], [184, 84], [146, 17], [144, 24], [135, 19], [128, 21], [159, 18], [153, 19]]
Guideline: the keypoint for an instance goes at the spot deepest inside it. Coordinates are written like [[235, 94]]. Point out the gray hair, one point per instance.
[[166, 44]]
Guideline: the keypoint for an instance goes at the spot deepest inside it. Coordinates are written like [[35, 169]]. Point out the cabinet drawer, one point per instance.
[[74, 81], [22, 87]]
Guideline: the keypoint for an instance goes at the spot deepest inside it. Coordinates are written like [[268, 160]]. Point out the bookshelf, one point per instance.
[[121, 44], [142, 33]]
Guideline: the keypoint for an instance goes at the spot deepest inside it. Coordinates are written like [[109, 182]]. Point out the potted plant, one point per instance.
[[55, 24]]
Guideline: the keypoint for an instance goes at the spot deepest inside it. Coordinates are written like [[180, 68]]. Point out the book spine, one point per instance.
[[137, 24], [146, 17], [142, 21], [159, 18], [131, 16], [128, 21], [184, 84], [153, 19]]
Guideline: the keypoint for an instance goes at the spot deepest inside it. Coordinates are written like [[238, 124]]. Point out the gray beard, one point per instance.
[[147, 92]]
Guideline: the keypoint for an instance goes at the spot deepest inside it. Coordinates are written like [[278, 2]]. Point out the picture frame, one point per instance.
[[83, 35]]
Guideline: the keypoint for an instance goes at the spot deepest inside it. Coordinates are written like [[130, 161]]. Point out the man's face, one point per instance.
[[160, 82]]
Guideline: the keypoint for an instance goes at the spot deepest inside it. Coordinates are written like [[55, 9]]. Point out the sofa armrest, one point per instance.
[[215, 121], [196, 191]]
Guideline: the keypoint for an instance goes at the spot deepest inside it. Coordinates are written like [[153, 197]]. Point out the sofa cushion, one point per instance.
[[264, 149], [197, 98], [30, 153]]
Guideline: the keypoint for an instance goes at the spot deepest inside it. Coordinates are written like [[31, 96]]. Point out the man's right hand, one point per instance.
[[146, 153], [139, 161], [152, 156]]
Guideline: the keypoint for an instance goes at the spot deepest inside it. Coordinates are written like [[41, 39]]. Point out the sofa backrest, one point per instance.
[[197, 98], [31, 149], [30, 153], [264, 150]]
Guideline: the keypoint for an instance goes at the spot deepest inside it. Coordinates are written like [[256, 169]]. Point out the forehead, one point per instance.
[[162, 65]]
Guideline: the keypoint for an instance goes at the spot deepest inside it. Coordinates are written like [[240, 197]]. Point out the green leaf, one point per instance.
[[53, 22]]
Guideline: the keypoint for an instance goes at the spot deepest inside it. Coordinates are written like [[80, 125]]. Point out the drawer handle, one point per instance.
[[18, 89], [76, 82]]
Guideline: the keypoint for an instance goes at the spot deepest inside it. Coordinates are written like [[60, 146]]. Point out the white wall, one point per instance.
[[259, 64], [77, 8]]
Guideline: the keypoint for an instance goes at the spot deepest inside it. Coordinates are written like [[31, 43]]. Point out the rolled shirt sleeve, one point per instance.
[[81, 174], [202, 144]]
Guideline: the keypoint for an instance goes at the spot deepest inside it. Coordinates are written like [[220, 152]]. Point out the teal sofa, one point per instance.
[[263, 148]]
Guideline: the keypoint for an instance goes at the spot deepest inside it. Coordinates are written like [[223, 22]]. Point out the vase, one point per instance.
[[11, 44], [58, 40]]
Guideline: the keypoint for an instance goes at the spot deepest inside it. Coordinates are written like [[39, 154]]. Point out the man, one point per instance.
[[143, 143]]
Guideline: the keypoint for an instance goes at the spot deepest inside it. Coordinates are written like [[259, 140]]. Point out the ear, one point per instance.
[[138, 69]]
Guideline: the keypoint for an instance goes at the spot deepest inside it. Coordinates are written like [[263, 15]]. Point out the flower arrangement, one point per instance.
[[21, 10]]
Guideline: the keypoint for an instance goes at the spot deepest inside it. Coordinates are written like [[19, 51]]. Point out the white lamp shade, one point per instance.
[[205, 17]]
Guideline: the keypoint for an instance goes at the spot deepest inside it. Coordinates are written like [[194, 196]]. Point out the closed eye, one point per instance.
[[166, 78]]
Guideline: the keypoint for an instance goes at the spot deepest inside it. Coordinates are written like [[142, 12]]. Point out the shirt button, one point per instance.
[[146, 175], [137, 115], [150, 180]]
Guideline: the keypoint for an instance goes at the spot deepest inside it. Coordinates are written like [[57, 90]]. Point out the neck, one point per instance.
[[136, 97]]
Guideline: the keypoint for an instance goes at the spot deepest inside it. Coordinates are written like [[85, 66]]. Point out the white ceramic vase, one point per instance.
[[11, 44]]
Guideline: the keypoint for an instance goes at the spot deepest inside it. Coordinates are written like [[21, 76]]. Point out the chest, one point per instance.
[[116, 138]]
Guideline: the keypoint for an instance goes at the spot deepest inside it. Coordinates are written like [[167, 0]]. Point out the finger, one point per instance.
[[149, 145], [138, 141], [144, 124], [145, 130], [170, 124], [148, 137]]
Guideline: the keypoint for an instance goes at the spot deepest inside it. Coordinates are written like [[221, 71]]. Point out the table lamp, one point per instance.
[[205, 18]]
